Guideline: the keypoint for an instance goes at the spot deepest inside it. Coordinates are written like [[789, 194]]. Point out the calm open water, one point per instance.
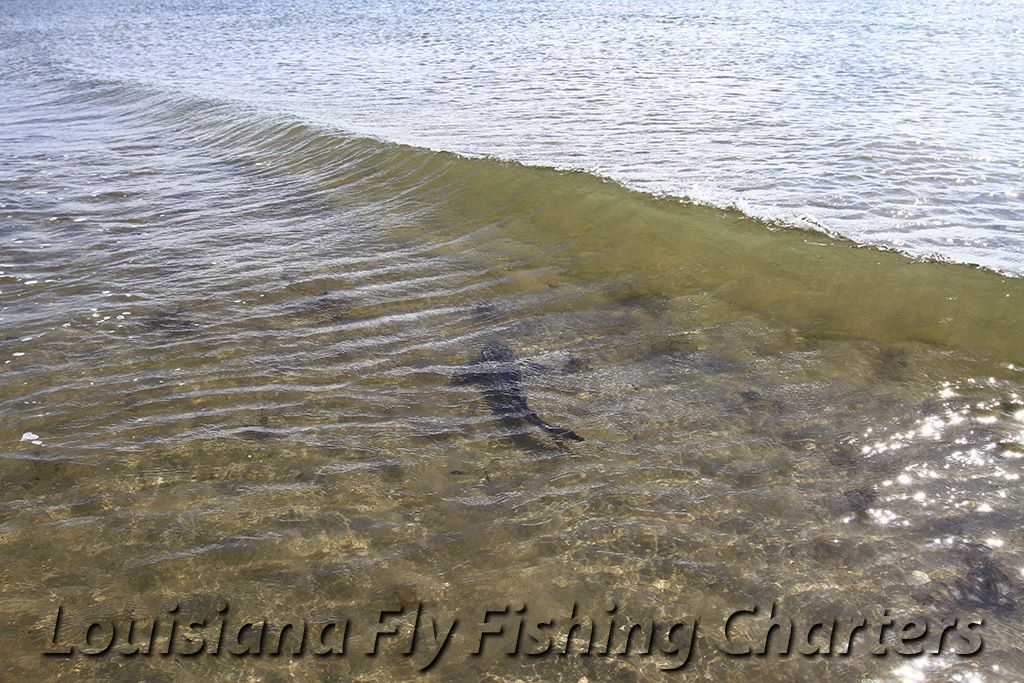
[[247, 246]]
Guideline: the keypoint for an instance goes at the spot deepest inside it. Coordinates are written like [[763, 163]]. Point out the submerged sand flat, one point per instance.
[[228, 338]]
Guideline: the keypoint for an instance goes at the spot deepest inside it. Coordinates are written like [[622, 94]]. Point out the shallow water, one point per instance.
[[895, 124], [229, 336]]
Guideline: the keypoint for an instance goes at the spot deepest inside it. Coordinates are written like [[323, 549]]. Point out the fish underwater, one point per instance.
[[497, 371]]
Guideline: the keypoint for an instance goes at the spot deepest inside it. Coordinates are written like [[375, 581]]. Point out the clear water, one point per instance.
[[894, 124], [229, 327]]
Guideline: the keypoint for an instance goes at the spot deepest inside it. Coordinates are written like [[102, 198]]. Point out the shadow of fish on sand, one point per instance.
[[498, 373]]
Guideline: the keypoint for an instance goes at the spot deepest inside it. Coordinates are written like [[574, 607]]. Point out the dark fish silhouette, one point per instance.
[[170, 320], [497, 372], [985, 585]]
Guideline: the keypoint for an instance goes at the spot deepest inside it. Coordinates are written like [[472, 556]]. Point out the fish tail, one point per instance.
[[554, 430]]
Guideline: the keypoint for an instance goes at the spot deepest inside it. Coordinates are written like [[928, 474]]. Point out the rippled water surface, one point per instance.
[[893, 123], [230, 328]]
